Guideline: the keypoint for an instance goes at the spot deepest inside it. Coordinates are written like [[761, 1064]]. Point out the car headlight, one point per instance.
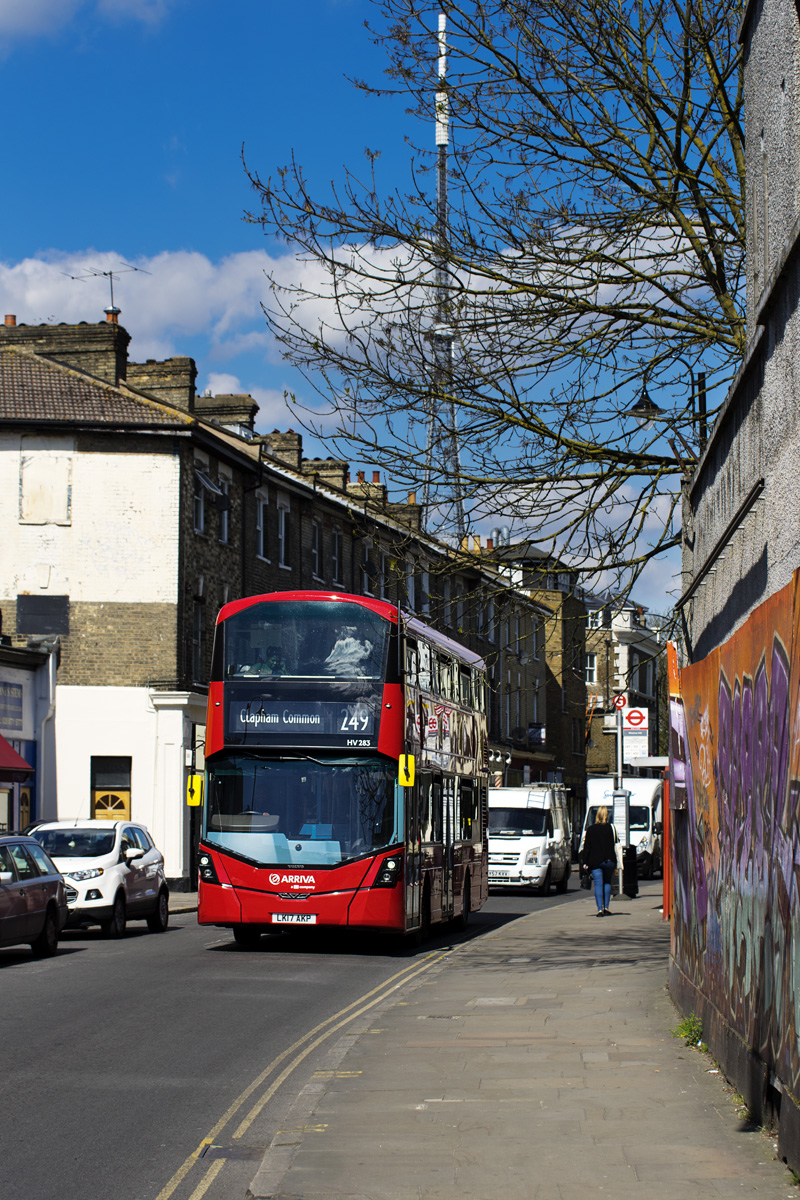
[[92, 873], [531, 856], [641, 848]]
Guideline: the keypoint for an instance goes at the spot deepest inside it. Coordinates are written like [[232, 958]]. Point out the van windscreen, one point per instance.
[[530, 821]]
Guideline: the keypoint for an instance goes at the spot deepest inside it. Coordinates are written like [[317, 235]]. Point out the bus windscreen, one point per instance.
[[301, 639], [300, 811]]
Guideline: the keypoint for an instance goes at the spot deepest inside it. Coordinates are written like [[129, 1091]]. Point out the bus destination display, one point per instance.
[[261, 720]]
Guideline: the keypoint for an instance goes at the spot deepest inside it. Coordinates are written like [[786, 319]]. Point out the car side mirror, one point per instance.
[[658, 828], [134, 853], [6, 876]]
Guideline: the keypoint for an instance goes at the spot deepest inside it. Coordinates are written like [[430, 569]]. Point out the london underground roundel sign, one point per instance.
[[636, 718]]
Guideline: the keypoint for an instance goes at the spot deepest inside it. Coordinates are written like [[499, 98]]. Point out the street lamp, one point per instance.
[[646, 413]]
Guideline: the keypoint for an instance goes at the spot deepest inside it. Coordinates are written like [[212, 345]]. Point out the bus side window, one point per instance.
[[424, 653], [411, 663], [436, 810], [436, 683], [425, 814], [467, 812], [464, 679]]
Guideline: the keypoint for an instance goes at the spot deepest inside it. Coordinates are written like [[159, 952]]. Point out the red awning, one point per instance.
[[13, 768]]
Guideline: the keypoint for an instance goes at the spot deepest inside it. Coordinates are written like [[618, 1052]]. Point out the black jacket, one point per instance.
[[598, 845]]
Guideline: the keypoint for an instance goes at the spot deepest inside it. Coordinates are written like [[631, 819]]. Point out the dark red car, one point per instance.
[[33, 898]]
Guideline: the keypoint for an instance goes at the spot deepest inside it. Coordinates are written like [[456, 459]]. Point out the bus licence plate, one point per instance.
[[294, 918]]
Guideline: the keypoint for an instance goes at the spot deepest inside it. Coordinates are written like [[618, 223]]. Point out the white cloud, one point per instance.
[[25, 18], [183, 294], [42, 18]]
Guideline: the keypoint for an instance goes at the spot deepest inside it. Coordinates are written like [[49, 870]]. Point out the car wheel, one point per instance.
[[115, 927], [647, 873], [158, 920], [544, 887], [46, 943], [246, 935], [563, 882]]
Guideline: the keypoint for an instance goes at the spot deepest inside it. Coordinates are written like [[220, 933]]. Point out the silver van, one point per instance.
[[530, 842]]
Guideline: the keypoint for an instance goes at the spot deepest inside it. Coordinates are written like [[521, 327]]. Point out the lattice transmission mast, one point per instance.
[[442, 451]]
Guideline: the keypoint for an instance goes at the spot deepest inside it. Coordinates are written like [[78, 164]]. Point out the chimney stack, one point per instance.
[[11, 319]]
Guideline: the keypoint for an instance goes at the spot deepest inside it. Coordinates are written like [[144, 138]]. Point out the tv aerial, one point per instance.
[[95, 273]]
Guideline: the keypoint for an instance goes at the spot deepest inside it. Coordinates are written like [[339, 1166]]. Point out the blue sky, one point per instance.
[[124, 122], [124, 127]]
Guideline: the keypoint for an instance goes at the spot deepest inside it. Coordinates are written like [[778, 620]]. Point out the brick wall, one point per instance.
[[100, 349], [118, 645]]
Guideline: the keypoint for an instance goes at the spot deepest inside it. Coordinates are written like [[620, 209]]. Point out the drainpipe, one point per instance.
[[46, 720]]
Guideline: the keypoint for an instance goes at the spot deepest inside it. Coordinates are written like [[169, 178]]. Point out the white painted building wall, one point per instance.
[[106, 531], [114, 540], [153, 729]]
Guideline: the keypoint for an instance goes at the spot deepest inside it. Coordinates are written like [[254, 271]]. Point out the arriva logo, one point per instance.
[[275, 878]]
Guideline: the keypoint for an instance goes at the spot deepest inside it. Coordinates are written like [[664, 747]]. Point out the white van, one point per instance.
[[645, 816], [530, 843]]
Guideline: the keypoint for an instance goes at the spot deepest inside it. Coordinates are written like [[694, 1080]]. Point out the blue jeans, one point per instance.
[[602, 877]]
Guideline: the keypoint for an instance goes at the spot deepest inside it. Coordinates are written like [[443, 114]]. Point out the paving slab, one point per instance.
[[535, 1061]]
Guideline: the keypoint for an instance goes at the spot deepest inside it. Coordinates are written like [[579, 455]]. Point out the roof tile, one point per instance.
[[36, 389]]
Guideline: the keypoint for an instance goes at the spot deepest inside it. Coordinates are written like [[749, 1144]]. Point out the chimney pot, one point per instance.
[[112, 314], [360, 476], [412, 497], [376, 476], [11, 319], [490, 543]]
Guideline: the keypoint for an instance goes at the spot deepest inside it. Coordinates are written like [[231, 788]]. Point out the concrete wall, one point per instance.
[[757, 434]]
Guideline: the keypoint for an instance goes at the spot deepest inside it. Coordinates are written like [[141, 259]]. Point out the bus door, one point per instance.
[[448, 839], [415, 799]]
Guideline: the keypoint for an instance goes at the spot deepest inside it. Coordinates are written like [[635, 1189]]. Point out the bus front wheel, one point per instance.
[[246, 935]]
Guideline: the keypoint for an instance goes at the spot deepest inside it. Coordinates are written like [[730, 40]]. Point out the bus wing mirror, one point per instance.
[[406, 772], [194, 791]]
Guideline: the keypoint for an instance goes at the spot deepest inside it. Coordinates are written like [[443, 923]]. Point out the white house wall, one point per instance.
[[120, 721], [121, 542]]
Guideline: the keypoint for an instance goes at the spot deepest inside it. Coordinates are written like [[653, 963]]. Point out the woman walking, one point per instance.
[[599, 857]]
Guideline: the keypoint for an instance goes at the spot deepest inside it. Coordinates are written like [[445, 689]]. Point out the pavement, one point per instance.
[[182, 902], [534, 1061]]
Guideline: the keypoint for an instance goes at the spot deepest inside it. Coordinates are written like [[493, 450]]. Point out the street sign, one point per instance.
[[620, 701], [635, 720]]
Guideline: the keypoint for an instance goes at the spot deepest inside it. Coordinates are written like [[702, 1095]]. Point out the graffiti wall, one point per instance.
[[735, 745]]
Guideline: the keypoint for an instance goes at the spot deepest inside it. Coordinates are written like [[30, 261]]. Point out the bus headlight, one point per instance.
[[206, 869], [389, 872]]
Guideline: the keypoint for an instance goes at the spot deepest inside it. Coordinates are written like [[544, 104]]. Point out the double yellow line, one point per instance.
[[295, 1053]]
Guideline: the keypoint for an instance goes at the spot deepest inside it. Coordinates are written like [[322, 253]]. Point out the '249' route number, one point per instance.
[[357, 721]]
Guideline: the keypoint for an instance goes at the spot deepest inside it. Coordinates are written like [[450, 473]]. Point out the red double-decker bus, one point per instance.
[[346, 758]]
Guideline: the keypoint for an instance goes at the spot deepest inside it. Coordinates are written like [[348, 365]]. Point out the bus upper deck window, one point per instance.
[[424, 654], [411, 663]]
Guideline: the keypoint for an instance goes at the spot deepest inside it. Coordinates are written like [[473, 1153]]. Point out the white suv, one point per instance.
[[112, 870]]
